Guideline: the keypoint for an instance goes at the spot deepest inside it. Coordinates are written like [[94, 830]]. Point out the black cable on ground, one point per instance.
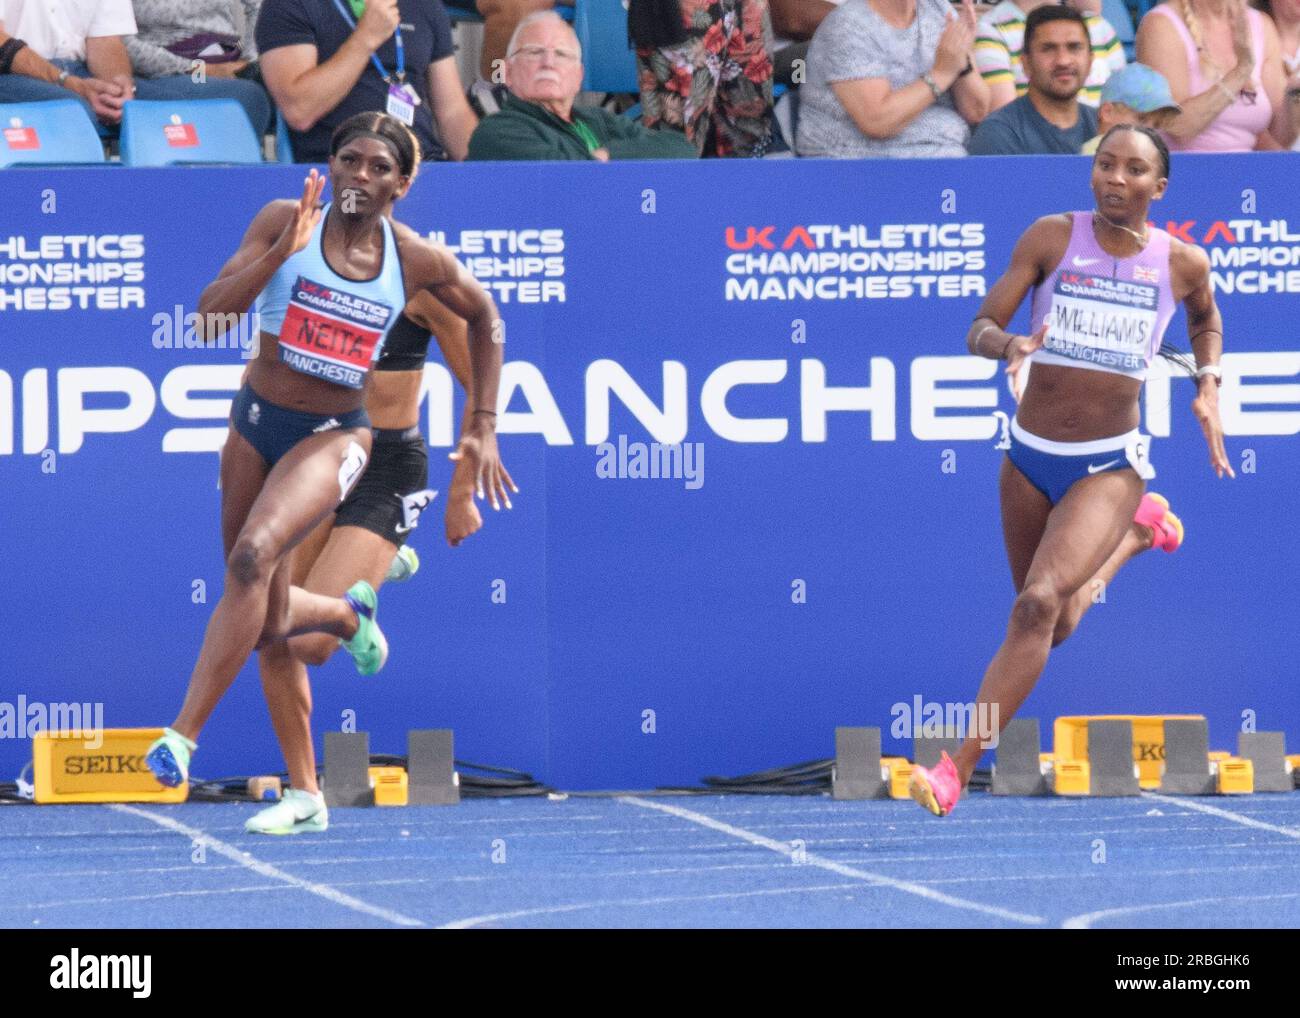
[[9, 795], [488, 783], [812, 778]]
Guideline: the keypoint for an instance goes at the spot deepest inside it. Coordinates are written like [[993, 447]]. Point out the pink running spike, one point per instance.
[[1166, 528], [937, 788]]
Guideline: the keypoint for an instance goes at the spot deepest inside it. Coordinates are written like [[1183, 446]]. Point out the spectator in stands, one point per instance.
[[1135, 95], [199, 49], [1224, 65], [793, 25], [538, 119], [1048, 119], [57, 49], [1286, 19], [705, 71], [322, 65], [999, 42], [500, 19], [891, 78]]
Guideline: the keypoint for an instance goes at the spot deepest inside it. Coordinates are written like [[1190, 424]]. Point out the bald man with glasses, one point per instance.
[[539, 120]]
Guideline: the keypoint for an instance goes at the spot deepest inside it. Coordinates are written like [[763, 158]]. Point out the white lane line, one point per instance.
[[266, 869], [479, 920], [399, 821], [1084, 922], [198, 892], [811, 859], [1237, 818]]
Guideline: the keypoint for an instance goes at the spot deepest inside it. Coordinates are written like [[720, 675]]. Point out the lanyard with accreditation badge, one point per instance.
[[402, 98]]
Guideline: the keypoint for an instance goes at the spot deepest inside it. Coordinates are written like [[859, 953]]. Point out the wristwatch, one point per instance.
[[928, 78], [1211, 371], [63, 78]]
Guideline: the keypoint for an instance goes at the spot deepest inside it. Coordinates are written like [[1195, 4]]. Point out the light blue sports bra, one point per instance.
[[330, 327]]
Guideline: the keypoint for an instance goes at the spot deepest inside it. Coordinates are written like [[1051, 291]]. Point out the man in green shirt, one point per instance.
[[538, 119]]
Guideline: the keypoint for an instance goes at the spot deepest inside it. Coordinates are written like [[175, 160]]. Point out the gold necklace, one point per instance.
[[1141, 238]]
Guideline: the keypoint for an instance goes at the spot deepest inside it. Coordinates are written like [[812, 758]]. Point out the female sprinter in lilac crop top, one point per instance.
[[1073, 485]]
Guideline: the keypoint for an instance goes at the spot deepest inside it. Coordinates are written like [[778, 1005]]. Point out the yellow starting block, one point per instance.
[[391, 786], [106, 765], [1072, 777], [1233, 775], [897, 771], [1070, 741]]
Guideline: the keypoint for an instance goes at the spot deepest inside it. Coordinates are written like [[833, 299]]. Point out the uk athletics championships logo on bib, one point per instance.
[[1102, 321], [331, 334]]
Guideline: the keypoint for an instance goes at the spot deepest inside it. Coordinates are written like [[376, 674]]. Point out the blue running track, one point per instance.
[[664, 861]]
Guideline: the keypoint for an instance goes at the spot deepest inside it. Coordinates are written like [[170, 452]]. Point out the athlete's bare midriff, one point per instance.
[[394, 398], [275, 381], [1064, 404]]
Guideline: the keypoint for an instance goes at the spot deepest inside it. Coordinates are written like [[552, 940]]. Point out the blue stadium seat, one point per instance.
[[1117, 13], [58, 131], [610, 64], [163, 132], [283, 147]]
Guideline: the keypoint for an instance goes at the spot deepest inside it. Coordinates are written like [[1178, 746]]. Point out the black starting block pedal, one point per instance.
[[856, 774], [1110, 758], [1017, 770], [347, 769], [1267, 751], [1187, 758]]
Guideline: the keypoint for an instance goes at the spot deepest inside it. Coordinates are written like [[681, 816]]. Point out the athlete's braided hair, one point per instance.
[[400, 138]]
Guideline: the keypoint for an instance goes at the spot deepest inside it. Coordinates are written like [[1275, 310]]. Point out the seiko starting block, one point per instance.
[[1095, 756], [98, 765], [429, 778]]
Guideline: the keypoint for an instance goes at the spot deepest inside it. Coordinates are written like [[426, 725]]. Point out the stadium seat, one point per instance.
[[58, 131], [1117, 13], [163, 132], [610, 64], [283, 147]]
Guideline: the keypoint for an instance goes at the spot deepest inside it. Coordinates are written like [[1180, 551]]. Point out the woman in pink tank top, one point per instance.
[[1223, 62], [1073, 485]]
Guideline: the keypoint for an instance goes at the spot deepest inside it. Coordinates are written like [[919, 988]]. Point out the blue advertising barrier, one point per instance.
[[825, 549]]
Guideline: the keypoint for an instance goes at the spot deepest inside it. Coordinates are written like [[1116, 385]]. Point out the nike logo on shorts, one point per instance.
[[1093, 468], [1083, 263]]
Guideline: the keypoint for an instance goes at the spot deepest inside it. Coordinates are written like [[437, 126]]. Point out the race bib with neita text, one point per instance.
[[331, 334]]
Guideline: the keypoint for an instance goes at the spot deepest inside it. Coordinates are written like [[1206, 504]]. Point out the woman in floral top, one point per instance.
[[705, 70]]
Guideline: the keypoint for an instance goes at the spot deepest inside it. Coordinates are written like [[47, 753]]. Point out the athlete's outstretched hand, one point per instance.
[[1206, 408], [462, 518], [478, 445], [297, 232], [1021, 347]]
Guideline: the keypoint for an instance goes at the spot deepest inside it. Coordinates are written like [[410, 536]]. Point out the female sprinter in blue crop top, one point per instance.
[[1072, 486], [329, 285]]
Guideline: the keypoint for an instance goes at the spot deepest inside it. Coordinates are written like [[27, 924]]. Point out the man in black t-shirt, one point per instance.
[[318, 62]]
